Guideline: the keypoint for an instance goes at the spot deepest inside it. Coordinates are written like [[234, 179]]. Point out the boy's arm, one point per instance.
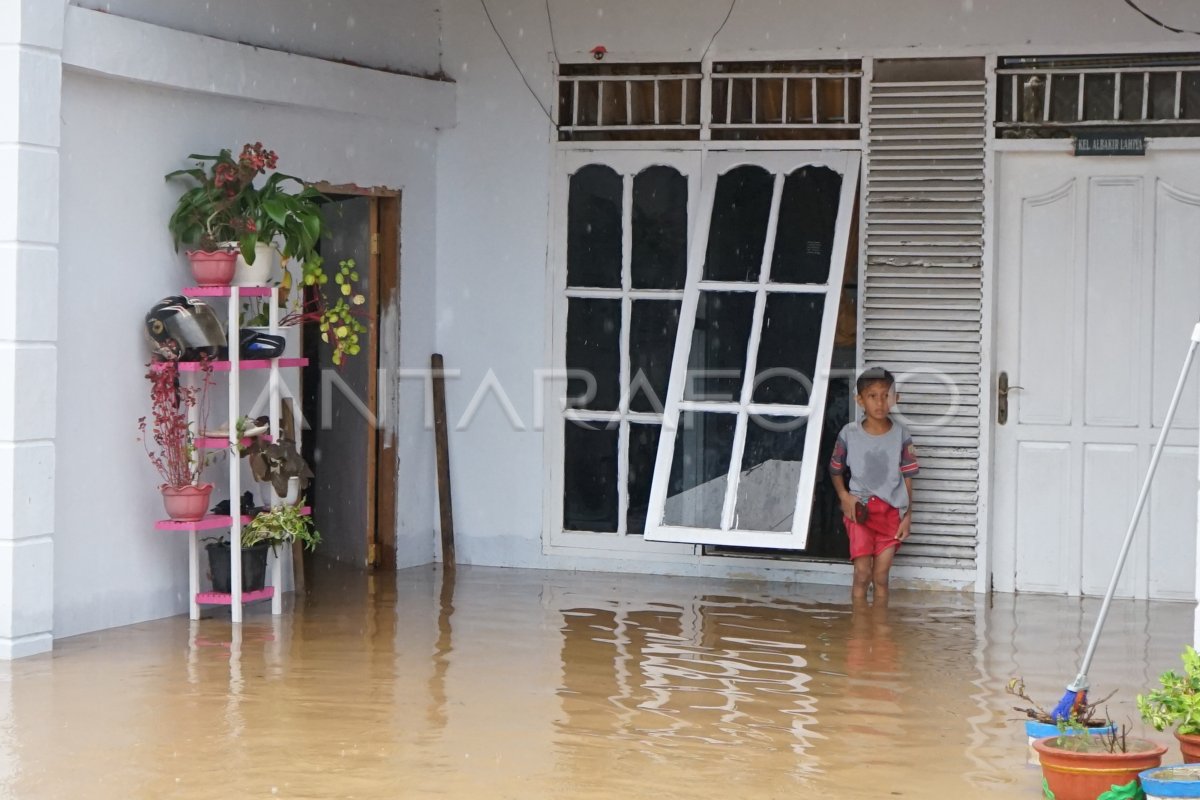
[[846, 499], [906, 520], [837, 470]]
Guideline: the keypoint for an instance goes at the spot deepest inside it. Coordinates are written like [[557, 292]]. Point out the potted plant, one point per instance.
[[1085, 720], [254, 566], [174, 454], [1177, 702], [1092, 767], [1175, 781], [256, 215], [205, 217], [281, 525]]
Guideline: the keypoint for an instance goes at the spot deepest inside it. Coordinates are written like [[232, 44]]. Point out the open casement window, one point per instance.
[[737, 455], [624, 246]]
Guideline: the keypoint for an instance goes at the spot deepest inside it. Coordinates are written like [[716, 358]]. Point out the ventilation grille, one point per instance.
[[923, 284]]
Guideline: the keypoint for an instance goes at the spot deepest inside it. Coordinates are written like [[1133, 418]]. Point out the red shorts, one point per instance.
[[878, 533]]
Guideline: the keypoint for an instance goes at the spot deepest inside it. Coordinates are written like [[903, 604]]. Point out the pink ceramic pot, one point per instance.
[[213, 269], [186, 503]]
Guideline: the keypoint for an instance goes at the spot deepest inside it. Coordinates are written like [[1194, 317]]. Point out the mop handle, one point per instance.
[[1080, 681]]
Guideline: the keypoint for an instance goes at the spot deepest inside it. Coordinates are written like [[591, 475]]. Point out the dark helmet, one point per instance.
[[182, 329]]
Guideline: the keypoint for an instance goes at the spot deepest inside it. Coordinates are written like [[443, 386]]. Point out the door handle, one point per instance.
[[1002, 390]]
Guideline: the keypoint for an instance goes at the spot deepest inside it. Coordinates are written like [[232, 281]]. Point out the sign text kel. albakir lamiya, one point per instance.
[[1110, 143]]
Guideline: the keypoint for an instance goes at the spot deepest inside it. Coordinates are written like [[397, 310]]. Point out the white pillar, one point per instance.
[[31, 34]]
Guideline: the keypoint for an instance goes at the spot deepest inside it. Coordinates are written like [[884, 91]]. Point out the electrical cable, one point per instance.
[[1159, 22], [550, 22], [516, 66], [728, 14]]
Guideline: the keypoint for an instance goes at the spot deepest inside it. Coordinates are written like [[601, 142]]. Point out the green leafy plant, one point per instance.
[[280, 525], [336, 317], [226, 205], [1177, 700], [206, 213]]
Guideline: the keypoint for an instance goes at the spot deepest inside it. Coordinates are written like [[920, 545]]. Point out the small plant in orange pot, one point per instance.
[[1177, 702], [1104, 766], [174, 454]]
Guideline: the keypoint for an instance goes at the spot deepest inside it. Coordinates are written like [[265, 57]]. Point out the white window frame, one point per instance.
[[846, 163], [627, 163]]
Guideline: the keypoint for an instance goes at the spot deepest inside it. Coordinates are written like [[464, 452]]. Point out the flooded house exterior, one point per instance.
[[694, 222]]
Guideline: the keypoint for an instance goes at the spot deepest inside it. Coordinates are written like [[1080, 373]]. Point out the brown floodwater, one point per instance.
[[527, 684]]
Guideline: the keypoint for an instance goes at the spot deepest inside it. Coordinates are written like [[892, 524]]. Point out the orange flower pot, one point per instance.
[[1086, 774], [1189, 746], [186, 503]]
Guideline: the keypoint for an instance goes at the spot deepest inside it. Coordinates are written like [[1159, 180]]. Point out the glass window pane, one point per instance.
[[1162, 95], [594, 346], [1131, 96], [738, 232], [643, 451], [652, 328], [699, 471], [594, 228], [1190, 96], [590, 477], [1098, 96], [808, 213], [1064, 98], [659, 259], [787, 350], [770, 474], [717, 360]]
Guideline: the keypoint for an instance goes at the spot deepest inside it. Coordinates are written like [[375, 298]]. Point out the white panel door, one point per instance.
[[1098, 279]]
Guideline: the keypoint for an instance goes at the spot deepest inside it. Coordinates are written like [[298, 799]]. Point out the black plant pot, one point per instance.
[[254, 566]]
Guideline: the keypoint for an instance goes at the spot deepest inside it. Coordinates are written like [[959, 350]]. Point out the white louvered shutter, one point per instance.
[[923, 284]]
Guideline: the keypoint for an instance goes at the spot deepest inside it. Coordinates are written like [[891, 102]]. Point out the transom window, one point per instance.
[[1053, 96]]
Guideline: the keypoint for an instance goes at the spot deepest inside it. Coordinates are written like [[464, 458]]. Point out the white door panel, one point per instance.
[[1098, 289]]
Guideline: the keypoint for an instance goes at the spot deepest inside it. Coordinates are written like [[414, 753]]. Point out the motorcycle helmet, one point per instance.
[[256, 344], [182, 329]]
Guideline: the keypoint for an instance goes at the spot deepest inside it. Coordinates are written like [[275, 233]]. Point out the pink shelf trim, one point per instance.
[[223, 599], [224, 366], [225, 291], [220, 442], [210, 522]]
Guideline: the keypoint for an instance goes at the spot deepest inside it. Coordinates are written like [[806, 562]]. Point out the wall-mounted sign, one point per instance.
[[1110, 143]]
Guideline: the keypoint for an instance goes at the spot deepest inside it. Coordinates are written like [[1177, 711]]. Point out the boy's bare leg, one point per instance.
[[863, 568], [879, 573]]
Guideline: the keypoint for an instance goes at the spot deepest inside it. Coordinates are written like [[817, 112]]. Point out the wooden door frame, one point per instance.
[[383, 283]]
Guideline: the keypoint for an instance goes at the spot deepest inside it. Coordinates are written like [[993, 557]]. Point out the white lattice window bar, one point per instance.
[[1072, 97], [732, 100]]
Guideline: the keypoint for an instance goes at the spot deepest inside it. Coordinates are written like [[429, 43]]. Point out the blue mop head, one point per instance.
[[1069, 705]]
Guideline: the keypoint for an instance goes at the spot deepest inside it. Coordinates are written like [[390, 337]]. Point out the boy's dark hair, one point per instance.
[[874, 375]]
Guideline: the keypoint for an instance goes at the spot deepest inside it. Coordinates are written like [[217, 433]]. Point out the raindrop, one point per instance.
[[351, 22], [599, 12]]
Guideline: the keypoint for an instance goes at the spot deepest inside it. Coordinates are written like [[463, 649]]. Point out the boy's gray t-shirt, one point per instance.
[[878, 464]]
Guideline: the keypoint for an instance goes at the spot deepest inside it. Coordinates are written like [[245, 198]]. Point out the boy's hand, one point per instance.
[[848, 502], [905, 528]]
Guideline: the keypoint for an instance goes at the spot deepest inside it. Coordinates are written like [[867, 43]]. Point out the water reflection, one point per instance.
[[499, 683]]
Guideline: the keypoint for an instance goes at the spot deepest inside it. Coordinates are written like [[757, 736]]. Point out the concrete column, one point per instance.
[[31, 36]]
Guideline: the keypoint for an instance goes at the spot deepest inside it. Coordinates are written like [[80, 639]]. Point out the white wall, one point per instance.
[[118, 140], [494, 176], [399, 34]]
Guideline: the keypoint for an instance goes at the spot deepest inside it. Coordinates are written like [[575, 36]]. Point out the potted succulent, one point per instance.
[[1177, 702], [1091, 767], [174, 454]]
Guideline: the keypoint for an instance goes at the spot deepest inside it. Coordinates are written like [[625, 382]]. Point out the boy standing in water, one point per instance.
[[879, 454]]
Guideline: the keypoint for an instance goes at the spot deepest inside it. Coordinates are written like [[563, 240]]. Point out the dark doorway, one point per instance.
[[353, 491]]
